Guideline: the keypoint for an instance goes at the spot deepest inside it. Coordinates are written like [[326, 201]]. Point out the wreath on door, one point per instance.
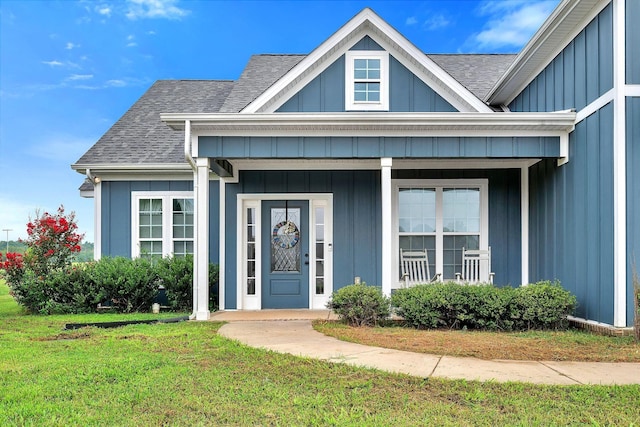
[[285, 235]]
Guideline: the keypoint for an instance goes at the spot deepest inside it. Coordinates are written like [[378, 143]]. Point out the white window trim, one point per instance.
[[482, 184], [167, 222], [349, 81]]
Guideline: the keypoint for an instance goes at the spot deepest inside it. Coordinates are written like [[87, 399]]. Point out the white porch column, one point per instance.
[[201, 237], [387, 230], [524, 215], [619, 167]]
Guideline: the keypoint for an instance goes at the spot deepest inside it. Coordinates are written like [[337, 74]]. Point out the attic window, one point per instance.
[[366, 81]]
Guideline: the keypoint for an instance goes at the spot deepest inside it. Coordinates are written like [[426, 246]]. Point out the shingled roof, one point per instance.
[[477, 72], [140, 137], [260, 73]]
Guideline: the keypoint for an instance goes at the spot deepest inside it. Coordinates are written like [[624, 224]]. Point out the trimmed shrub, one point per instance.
[[421, 306], [359, 304], [67, 290], [176, 275], [127, 284], [542, 305], [30, 292], [452, 305], [72, 290]]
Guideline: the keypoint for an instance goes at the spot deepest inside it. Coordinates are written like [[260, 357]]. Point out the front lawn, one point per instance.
[[185, 374], [571, 345]]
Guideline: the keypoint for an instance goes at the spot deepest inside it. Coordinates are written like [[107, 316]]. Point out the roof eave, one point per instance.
[[363, 123], [569, 17], [131, 167]]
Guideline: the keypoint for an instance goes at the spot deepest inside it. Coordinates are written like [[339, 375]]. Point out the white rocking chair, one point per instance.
[[476, 266], [415, 268]]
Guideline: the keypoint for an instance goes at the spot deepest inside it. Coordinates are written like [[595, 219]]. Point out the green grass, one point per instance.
[[185, 374]]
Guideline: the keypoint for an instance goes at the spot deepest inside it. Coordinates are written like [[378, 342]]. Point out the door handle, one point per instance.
[[306, 261]]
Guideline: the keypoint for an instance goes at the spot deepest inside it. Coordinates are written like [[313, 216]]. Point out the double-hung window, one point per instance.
[[162, 224], [442, 216], [366, 80]]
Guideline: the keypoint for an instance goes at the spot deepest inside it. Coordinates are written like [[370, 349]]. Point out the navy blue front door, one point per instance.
[[285, 254]]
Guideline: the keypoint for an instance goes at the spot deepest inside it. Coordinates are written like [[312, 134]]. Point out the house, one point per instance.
[[310, 171]]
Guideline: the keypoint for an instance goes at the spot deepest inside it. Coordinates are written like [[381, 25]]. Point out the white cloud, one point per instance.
[[71, 46], [139, 9], [56, 63], [436, 21], [53, 63], [130, 39], [412, 20], [104, 10], [74, 77], [511, 23], [151, 33], [115, 83]]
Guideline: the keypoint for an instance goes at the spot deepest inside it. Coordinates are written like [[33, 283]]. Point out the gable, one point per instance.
[[326, 92], [366, 32]]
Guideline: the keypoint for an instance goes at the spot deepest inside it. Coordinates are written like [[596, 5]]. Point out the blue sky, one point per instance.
[[70, 69]]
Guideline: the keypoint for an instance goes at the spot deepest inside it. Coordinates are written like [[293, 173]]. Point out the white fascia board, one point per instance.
[[138, 167], [115, 172], [378, 124], [373, 164], [563, 25], [365, 23]]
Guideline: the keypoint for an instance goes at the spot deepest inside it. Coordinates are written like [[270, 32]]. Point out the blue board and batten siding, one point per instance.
[[325, 93], [580, 74], [356, 217], [571, 206], [633, 42], [571, 218], [228, 147], [633, 194], [116, 211]]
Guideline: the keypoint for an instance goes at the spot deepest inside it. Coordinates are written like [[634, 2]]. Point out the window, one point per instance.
[[366, 80], [442, 217], [162, 224], [252, 226], [320, 240]]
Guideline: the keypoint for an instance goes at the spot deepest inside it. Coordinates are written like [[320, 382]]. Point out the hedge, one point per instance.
[[542, 305], [125, 285]]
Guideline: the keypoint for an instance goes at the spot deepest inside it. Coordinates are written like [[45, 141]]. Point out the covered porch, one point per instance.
[[361, 189]]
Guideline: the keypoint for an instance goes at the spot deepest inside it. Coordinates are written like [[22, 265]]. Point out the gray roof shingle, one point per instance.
[[139, 136], [260, 73], [477, 72]]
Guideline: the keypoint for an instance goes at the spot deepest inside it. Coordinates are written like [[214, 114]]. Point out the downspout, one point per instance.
[[88, 173], [189, 159]]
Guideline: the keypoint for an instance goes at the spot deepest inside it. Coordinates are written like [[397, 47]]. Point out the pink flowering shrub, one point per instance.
[[37, 278], [52, 242]]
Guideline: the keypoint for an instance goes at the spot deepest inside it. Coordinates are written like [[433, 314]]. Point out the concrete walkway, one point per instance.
[[290, 332]]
